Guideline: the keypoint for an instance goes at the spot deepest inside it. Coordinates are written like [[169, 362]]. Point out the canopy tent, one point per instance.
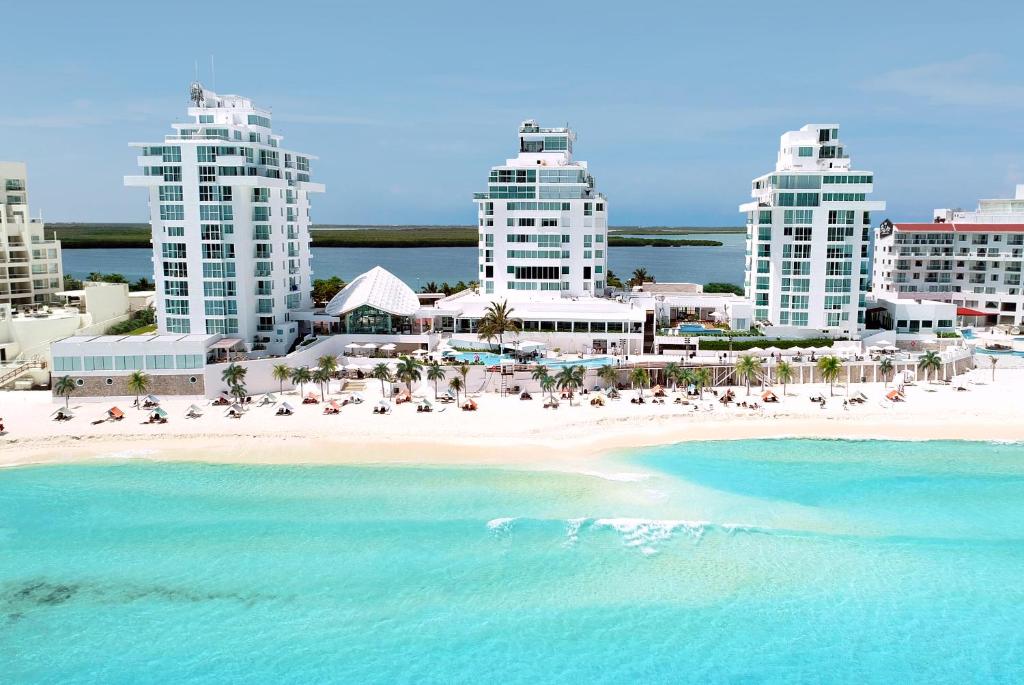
[[193, 410], [159, 413], [62, 413], [115, 413], [227, 344], [356, 397], [285, 409], [151, 399]]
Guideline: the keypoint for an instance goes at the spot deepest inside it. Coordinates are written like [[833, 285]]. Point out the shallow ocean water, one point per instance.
[[748, 561]]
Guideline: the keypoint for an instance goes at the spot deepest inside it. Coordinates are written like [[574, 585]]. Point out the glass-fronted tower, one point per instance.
[[229, 212], [543, 225], [808, 236]]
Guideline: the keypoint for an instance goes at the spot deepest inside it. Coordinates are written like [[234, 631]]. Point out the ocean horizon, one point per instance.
[[755, 560]]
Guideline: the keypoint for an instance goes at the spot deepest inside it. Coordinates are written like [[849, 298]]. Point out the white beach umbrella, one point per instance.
[[369, 346], [353, 346], [387, 347]]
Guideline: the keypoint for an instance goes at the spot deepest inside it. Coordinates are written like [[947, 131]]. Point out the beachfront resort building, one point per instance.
[[972, 259], [808, 236], [229, 210], [30, 265], [543, 225]]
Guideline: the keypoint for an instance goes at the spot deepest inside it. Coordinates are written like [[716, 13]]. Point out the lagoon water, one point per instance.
[[420, 265], [754, 561]]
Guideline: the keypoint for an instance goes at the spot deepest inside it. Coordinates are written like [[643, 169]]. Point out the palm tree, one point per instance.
[[612, 280], [233, 375], [993, 360], [496, 322], [570, 378], [238, 391], [685, 377], [830, 367], [281, 373], [702, 377], [456, 384], [382, 373], [464, 372], [548, 385], [639, 376], [784, 373], [429, 287], [64, 387], [671, 371], [409, 370], [540, 374], [886, 367], [322, 376], [435, 373], [640, 276], [929, 362], [748, 367], [138, 383], [328, 363], [609, 374], [300, 377]]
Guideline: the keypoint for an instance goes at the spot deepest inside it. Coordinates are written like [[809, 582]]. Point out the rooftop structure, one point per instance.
[[543, 225], [808, 235], [30, 265], [229, 211]]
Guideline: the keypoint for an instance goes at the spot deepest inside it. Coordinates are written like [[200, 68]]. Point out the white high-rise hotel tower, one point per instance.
[[543, 226], [808, 235], [230, 219]]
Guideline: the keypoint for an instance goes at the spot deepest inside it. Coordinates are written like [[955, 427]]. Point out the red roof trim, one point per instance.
[[967, 311], [959, 228]]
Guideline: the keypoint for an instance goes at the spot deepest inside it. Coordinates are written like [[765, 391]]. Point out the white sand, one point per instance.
[[504, 431]]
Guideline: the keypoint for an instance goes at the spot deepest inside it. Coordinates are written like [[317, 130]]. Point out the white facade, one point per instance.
[[30, 265], [974, 261], [543, 225], [229, 211], [808, 235]]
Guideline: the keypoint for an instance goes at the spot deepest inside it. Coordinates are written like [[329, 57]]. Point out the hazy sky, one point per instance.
[[678, 105]]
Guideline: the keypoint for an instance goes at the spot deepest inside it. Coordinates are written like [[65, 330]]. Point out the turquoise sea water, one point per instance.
[[755, 561]]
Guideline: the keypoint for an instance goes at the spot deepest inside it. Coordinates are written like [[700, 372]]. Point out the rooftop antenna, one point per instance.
[[213, 73]]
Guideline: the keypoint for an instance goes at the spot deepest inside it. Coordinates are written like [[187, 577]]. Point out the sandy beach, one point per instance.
[[503, 431]]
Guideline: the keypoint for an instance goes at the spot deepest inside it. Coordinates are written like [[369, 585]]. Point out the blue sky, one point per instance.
[[678, 105]]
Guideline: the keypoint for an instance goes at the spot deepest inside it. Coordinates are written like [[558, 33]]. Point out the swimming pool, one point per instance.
[[698, 329], [492, 359]]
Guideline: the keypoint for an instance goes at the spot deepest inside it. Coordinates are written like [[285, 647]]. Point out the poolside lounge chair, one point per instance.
[[311, 398], [424, 406], [525, 396]]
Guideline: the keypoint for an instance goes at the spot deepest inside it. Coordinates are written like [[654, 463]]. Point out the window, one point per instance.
[[805, 151], [207, 174], [174, 231], [173, 306], [130, 362], [94, 363], [67, 363], [178, 325], [173, 250], [176, 288], [175, 269], [159, 361], [170, 193], [172, 212]]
